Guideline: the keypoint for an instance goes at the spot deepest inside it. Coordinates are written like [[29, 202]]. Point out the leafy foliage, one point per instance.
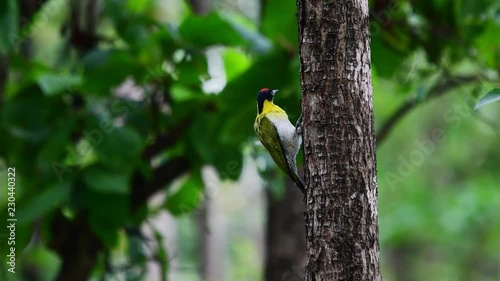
[[491, 96]]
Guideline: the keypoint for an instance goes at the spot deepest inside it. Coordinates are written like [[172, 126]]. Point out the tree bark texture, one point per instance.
[[339, 144]]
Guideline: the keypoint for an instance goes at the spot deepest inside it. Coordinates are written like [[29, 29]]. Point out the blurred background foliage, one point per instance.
[[107, 102]]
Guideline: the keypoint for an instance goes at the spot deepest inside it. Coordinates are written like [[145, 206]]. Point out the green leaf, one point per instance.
[[118, 149], [471, 16], [192, 68], [386, 61], [208, 30], [187, 198], [181, 93], [55, 147], [217, 147], [41, 255], [99, 179], [9, 25], [108, 234], [491, 96], [235, 63], [135, 32], [488, 50], [138, 6], [112, 209], [53, 84], [44, 201], [107, 69], [108, 213], [27, 116]]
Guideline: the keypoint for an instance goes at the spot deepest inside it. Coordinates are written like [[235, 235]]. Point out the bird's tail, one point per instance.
[[295, 176], [298, 182]]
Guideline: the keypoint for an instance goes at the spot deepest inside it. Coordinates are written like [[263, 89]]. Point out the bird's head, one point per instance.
[[264, 95]]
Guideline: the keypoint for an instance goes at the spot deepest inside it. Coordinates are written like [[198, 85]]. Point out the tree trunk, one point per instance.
[[339, 144], [285, 243]]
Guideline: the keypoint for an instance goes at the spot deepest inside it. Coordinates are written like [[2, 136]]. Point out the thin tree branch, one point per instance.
[[166, 140], [439, 89], [143, 188]]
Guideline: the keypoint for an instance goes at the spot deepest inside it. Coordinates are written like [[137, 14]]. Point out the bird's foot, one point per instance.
[[298, 126]]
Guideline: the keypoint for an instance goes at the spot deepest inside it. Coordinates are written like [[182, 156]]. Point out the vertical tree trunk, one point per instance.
[[339, 144], [209, 244], [211, 224], [285, 243]]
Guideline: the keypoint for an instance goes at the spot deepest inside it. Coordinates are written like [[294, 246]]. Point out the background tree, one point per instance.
[[286, 242], [339, 141]]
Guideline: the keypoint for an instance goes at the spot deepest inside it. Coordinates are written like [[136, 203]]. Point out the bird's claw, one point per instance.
[[298, 126]]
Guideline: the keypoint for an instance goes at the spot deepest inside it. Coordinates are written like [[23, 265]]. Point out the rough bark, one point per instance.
[[339, 143], [286, 244]]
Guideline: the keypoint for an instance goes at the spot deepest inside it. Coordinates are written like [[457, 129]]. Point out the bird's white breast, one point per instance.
[[288, 135]]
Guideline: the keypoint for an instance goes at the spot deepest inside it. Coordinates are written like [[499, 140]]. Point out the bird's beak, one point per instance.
[[274, 92]]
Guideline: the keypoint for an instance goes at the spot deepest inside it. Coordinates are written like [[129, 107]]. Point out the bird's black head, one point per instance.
[[262, 95]]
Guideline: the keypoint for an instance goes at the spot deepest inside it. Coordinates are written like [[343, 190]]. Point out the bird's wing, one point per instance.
[[268, 135]]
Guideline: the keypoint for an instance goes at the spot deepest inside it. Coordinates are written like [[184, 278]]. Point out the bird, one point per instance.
[[278, 135]]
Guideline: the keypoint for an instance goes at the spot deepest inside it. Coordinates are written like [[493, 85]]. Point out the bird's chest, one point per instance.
[[285, 130]]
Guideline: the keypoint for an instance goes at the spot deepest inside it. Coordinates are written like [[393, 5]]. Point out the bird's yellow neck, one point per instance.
[[267, 107]]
